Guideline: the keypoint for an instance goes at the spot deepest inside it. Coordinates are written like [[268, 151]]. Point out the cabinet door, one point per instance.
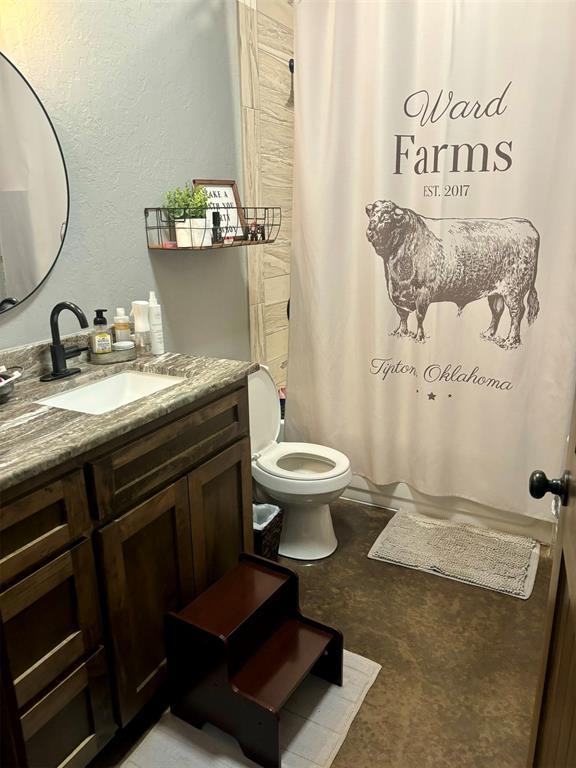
[[50, 620], [221, 509], [147, 570], [71, 723]]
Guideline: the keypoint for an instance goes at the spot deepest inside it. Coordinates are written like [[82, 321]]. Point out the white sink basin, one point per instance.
[[108, 394]]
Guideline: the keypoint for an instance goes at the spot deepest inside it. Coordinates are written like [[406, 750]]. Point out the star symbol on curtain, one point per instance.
[[431, 396]]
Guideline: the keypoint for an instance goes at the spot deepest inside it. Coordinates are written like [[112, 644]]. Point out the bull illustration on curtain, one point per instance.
[[458, 260]]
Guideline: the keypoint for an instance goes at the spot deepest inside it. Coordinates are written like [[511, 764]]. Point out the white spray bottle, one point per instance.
[[156, 329]]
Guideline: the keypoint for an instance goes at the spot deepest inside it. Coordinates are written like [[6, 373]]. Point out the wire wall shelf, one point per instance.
[[219, 227]]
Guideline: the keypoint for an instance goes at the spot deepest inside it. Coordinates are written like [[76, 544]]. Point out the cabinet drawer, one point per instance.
[[73, 721], [41, 523], [129, 474], [50, 620]]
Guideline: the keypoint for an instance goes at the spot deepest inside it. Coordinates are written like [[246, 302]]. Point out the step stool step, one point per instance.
[[232, 600], [280, 664]]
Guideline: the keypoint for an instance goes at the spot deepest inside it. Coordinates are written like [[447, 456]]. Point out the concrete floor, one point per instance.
[[459, 663]]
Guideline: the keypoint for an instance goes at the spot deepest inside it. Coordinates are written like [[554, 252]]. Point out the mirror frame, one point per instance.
[[63, 235]]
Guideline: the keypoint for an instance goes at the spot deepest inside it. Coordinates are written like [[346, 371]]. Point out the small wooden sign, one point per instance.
[[223, 197]]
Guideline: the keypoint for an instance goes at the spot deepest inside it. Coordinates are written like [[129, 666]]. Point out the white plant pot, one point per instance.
[[183, 233], [201, 235], [192, 233]]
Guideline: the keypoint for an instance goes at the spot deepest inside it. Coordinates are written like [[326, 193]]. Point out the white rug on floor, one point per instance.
[[490, 559], [313, 726]]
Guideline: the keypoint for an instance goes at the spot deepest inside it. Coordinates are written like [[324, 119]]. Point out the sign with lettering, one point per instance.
[[223, 197]]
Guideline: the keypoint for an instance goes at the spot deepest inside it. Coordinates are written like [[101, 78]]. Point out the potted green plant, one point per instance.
[[187, 208]]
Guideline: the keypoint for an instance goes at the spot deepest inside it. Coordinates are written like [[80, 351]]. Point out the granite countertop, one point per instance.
[[35, 438]]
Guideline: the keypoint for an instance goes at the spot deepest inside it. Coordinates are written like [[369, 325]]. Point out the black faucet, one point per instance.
[[58, 351]]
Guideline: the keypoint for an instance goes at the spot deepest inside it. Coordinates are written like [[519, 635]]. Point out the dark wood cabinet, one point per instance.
[[93, 558], [131, 473], [39, 524], [50, 620], [72, 722], [156, 557], [147, 570], [12, 750], [221, 510]]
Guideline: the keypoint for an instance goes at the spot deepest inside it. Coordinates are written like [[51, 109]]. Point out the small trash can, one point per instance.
[[267, 529]]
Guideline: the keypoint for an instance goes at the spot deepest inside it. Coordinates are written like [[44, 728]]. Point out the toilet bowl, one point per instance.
[[303, 478]]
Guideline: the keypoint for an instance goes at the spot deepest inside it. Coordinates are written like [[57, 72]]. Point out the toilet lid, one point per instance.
[[264, 405]]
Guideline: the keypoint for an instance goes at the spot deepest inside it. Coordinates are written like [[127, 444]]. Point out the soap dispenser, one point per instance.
[[101, 335]]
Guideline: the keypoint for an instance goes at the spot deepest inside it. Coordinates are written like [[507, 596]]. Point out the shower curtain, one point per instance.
[[433, 297]]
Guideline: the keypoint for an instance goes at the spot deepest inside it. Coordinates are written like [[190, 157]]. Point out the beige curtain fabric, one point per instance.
[[434, 263]]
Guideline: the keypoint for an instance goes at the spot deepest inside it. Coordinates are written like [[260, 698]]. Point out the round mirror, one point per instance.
[[33, 189]]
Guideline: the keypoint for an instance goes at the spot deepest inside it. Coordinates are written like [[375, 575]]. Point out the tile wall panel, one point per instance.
[[266, 35]]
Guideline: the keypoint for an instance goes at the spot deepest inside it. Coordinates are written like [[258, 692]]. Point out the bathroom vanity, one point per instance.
[[107, 522]]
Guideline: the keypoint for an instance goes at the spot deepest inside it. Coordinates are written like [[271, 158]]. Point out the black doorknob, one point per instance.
[[540, 485]]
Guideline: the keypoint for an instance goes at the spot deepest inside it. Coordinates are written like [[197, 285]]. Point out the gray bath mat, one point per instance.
[[490, 559]]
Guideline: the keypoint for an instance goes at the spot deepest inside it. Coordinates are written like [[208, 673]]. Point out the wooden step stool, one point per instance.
[[237, 653]]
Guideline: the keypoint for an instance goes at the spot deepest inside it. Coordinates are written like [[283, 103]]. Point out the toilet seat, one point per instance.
[[302, 461], [298, 469], [296, 487]]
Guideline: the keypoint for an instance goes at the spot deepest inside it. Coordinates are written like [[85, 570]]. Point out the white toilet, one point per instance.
[[302, 477]]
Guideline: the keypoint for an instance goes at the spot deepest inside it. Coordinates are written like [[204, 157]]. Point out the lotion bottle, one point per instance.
[[141, 326], [155, 321], [121, 325]]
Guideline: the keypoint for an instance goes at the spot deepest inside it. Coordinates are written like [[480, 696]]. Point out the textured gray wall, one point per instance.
[[143, 95]]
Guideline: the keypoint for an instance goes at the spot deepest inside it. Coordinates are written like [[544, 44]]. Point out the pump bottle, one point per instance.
[[101, 335]]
